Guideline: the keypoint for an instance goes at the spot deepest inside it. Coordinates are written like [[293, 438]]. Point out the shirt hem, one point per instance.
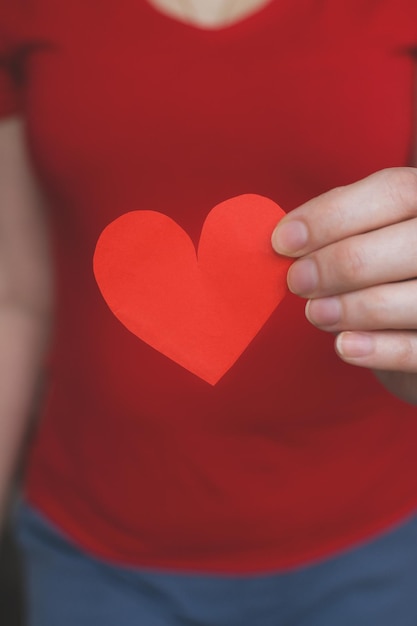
[[251, 564]]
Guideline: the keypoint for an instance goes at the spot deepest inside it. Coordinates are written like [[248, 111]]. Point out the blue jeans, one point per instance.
[[374, 584]]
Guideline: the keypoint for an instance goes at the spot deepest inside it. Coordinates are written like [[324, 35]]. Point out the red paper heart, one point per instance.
[[201, 312]]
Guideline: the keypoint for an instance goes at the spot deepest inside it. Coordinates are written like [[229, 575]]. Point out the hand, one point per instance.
[[356, 264]]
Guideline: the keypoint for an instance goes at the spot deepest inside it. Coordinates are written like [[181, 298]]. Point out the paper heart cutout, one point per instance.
[[200, 311]]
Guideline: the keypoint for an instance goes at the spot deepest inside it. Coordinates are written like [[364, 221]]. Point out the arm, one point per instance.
[[25, 296], [355, 251]]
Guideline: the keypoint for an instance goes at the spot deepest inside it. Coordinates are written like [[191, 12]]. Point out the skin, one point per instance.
[[209, 13], [25, 296], [355, 251]]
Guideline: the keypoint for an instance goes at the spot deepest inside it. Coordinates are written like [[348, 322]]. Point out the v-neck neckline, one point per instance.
[[254, 15]]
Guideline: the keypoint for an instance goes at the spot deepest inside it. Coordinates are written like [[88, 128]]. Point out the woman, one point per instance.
[[278, 488]]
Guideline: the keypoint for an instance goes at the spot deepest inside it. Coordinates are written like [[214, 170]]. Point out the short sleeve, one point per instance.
[[8, 96], [9, 23], [395, 21]]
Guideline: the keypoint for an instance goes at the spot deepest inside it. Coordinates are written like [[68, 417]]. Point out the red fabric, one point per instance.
[[292, 454]]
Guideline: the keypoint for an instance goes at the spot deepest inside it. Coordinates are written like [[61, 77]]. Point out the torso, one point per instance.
[[293, 454]]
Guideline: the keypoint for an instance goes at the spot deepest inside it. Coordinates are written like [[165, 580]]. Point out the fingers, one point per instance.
[[394, 351], [371, 322], [383, 256], [392, 306], [385, 198], [358, 267]]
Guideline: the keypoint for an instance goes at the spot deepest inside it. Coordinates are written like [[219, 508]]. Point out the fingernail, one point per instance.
[[303, 278], [290, 237], [324, 311], [353, 345]]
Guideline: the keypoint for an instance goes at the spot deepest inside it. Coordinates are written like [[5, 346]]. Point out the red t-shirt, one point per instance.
[[292, 454]]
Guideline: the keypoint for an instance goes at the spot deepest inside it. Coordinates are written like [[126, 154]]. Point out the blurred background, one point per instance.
[[11, 597], [11, 583]]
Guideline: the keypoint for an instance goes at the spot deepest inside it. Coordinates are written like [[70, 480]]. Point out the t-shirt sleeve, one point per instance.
[[9, 100], [398, 20], [8, 96]]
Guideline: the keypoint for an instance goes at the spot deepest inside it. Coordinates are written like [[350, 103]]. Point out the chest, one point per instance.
[[128, 109]]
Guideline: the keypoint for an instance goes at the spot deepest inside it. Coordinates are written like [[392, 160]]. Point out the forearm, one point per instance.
[[23, 340], [25, 294]]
